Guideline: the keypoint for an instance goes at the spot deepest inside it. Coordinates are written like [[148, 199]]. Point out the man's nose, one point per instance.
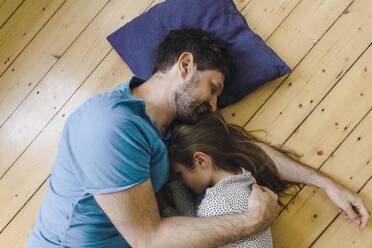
[[213, 103]]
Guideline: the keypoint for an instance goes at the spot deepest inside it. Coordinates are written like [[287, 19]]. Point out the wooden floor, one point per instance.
[[54, 55]]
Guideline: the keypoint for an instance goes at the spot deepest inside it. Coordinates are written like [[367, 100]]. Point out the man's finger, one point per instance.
[[265, 190], [352, 215], [256, 186], [363, 213], [341, 211]]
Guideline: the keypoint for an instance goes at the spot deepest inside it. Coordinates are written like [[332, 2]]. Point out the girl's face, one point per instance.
[[197, 178]]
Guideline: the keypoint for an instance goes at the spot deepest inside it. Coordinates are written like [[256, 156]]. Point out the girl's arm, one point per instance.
[[295, 171]]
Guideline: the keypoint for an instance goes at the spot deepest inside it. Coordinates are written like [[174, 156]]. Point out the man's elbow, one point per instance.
[[146, 239], [142, 242]]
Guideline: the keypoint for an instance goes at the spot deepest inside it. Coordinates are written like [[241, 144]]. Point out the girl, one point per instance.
[[220, 162]]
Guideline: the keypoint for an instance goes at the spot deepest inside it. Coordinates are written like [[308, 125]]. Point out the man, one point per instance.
[[112, 157]]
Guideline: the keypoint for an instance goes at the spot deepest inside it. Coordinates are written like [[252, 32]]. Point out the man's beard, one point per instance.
[[188, 107]]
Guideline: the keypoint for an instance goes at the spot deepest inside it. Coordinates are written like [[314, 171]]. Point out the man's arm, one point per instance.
[[134, 212], [349, 203]]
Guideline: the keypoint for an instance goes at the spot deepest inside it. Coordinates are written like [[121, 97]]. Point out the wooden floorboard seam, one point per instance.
[[326, 94], [51, 119], [299, 62], [20, 209], [15, 58], [67, 48], [290, 12], [245, 6], [10, 16]]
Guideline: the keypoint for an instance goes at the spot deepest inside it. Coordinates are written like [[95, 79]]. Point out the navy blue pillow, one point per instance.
[[137, 41]]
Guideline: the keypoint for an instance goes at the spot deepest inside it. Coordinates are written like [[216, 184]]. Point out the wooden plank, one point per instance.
[[7, 8], [311, 211], [43, 52], [22, 28], [263, 17], [291, 41], [340, 234], [18, 231], [31, 165], [241, 4], [63, 79], [316, 75], [307, 215], [335, 116]]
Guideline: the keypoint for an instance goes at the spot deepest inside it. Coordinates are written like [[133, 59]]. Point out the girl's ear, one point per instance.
[[201, 159]]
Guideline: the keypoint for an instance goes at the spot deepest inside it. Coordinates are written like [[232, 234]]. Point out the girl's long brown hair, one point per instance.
[[230, 146]]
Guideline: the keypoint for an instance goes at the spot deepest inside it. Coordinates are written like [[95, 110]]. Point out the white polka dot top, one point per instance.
[[230, 196]]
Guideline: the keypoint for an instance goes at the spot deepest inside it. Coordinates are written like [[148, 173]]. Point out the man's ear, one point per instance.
[[186, 64], [201, 160]]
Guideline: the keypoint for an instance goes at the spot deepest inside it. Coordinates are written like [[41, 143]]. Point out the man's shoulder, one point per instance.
[[114, 107], [113, 102]]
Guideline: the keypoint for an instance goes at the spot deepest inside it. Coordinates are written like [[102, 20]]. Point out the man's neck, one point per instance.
[[157, 95]]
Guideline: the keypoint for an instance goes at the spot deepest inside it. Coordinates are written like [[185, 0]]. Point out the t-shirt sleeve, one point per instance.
[[109, 157]]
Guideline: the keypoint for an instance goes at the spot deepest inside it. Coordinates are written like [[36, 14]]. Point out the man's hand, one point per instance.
[[263, 205], [349, 203]]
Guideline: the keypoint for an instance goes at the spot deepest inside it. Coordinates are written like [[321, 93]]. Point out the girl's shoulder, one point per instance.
[[228, 196]]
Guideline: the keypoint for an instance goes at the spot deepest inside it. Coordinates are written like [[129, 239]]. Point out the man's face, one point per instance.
[[198, 94]]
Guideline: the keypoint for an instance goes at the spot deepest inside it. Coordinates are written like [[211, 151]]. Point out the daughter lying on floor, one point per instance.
[[219, 162]]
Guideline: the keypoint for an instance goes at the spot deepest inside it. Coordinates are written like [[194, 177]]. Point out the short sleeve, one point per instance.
[[109, 156]]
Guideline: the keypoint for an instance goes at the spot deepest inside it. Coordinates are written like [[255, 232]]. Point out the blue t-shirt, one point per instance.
[[108, 144]]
